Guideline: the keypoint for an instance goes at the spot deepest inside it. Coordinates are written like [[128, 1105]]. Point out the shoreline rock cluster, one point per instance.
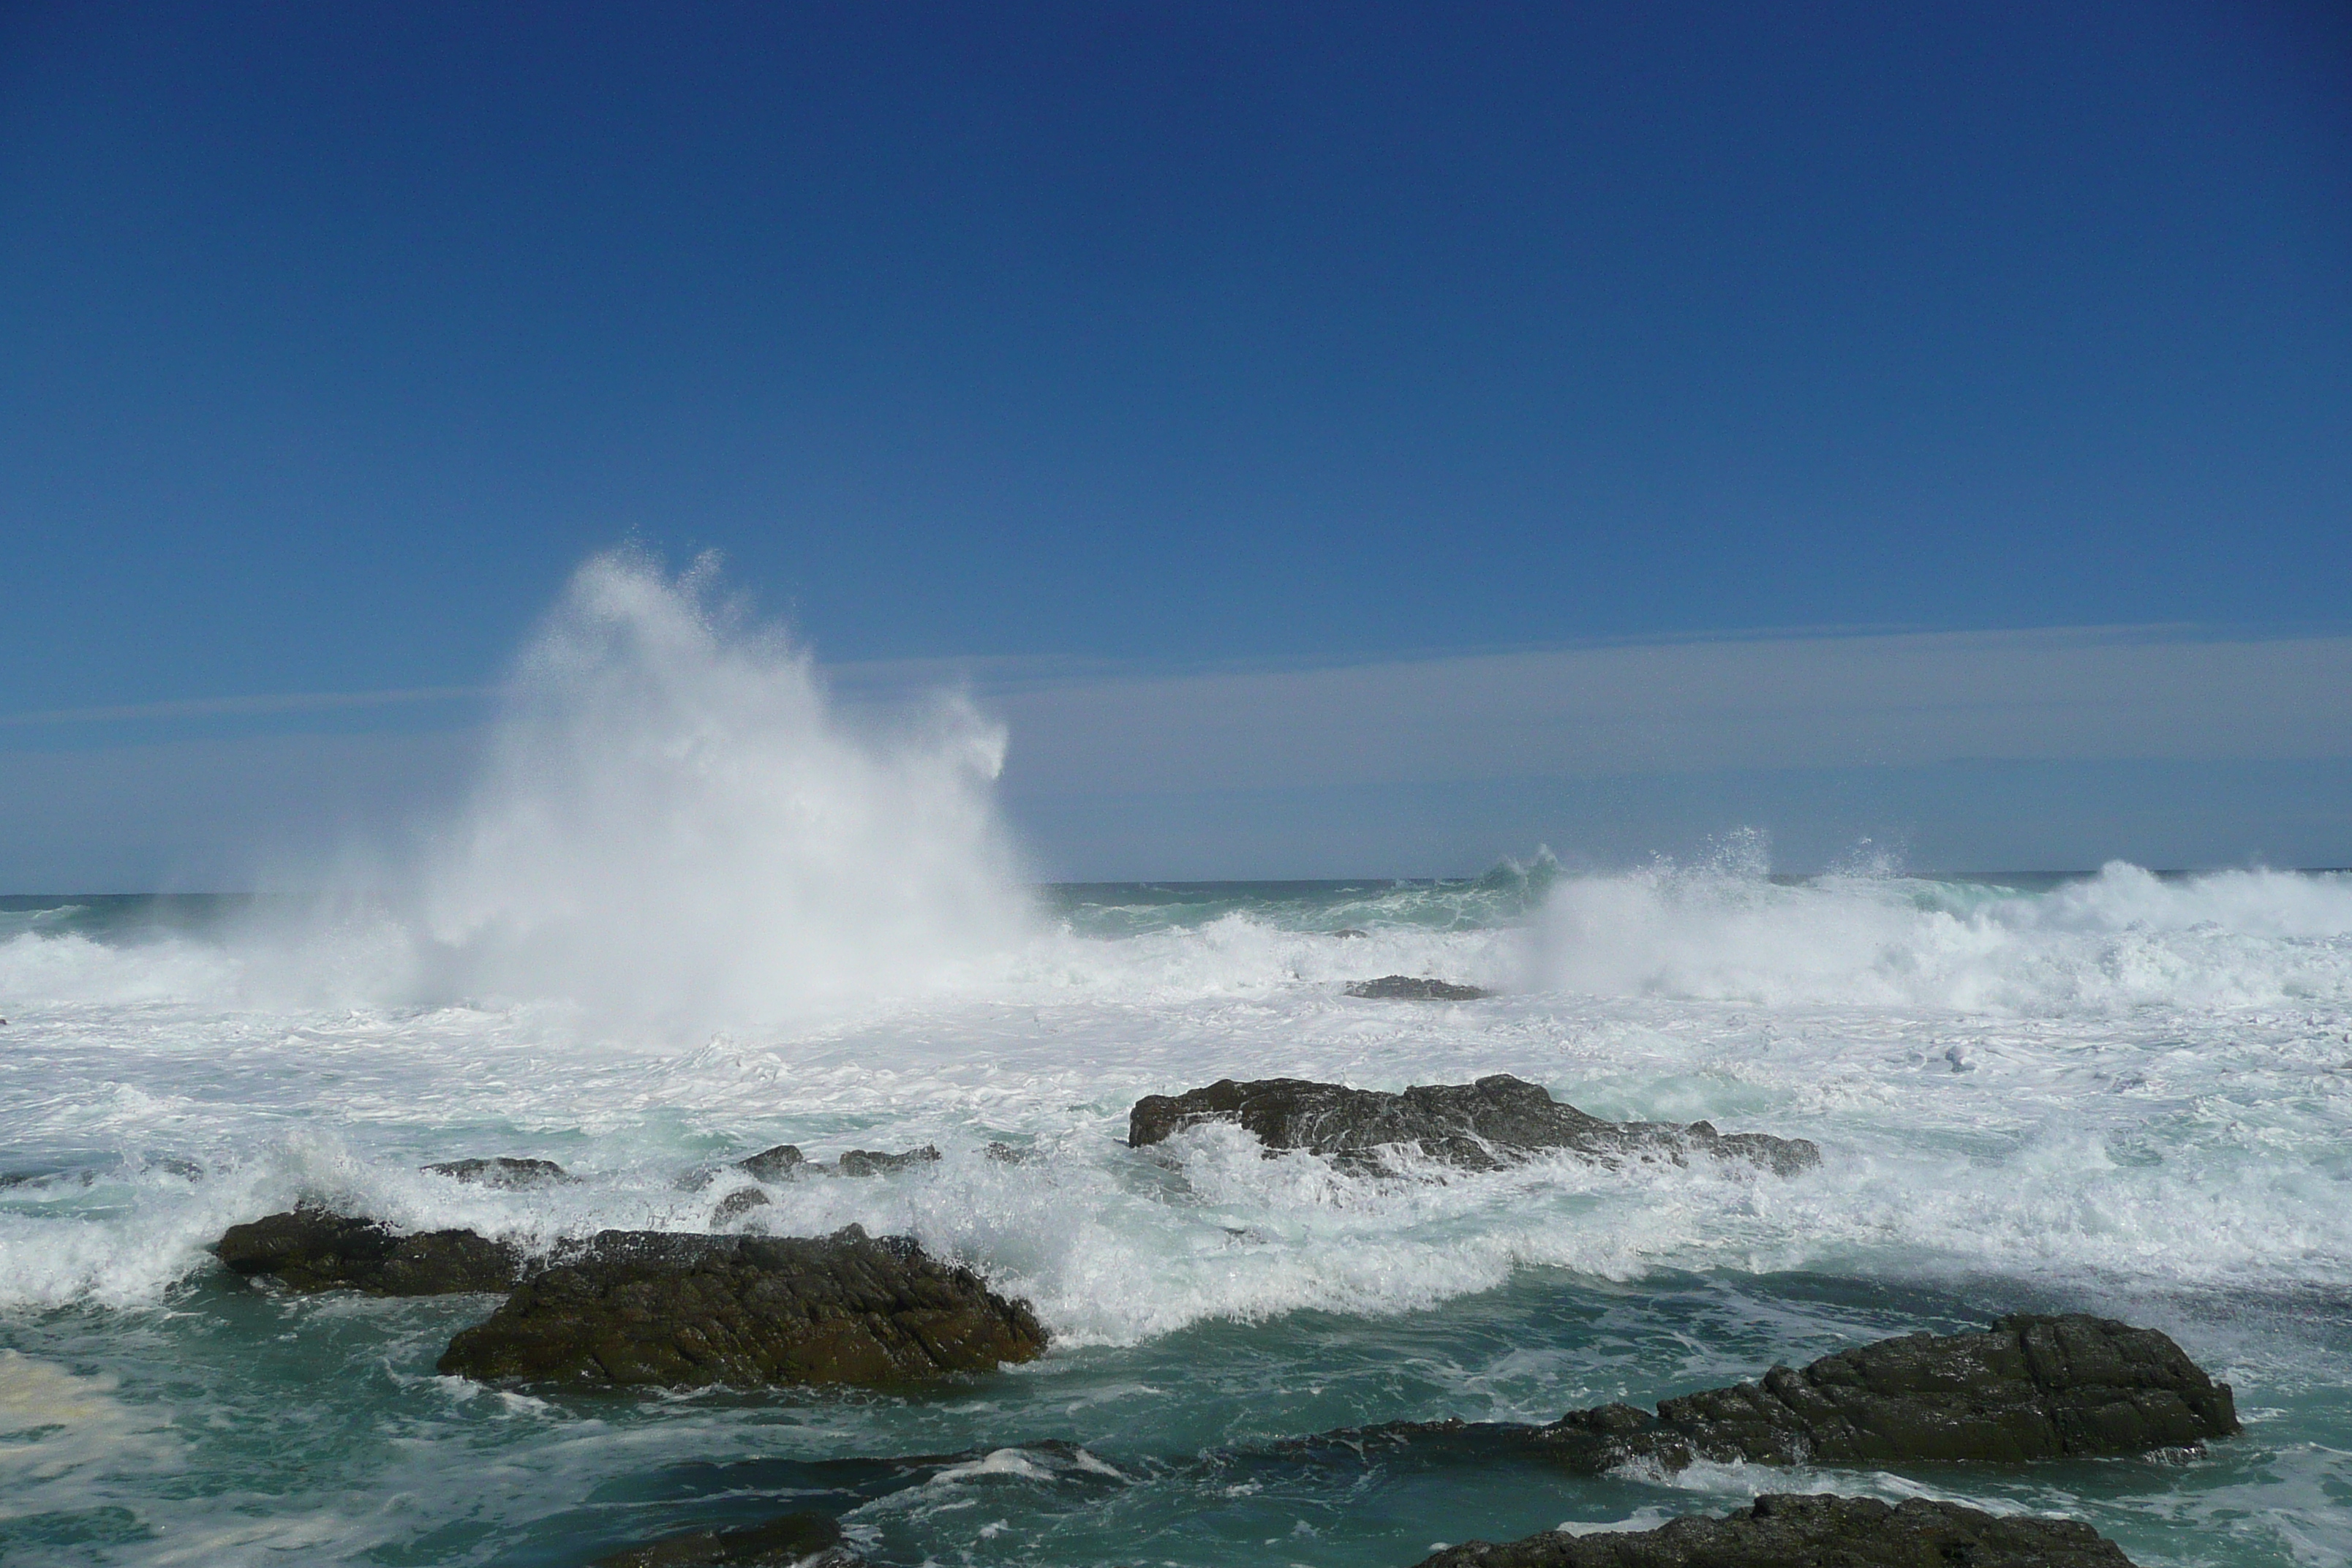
[[643, 1309], [672, 1309]]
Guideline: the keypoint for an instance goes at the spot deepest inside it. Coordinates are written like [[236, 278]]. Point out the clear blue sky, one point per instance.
[[332, 337]]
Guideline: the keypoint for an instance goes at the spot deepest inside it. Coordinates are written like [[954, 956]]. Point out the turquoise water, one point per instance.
[[318, 1425]]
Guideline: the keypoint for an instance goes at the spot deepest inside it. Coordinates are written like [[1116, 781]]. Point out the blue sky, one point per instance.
[[1151, 344]]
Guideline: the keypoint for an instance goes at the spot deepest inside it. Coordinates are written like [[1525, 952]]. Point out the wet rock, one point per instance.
[[736, 1204], [1347, 933], [786, 1161], [2028, 1388], [502, 1171], [646, 1308], [42, 1177], [1814, 1532], [772, 1164], [1414, 988], [1478, 1126], [873, 1163], [313, 1249], [805, 1539], [1005, 1153]]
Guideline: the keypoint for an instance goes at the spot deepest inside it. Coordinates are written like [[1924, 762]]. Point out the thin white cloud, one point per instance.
[[234, 706], [1904, 700]]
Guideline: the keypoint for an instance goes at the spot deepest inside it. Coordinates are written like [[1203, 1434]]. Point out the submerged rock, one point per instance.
[[649, 1308], [1480, 1126], [873, 1163], [805, 1539], [502, 1171], [736, 1204], [772, 1164], [313, 1249], [786, 1161], [2028, 1388], [1414, 988], [1812, 1531]]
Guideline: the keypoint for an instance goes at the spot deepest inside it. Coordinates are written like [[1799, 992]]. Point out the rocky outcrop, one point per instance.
[[791, 1541], [1812, 1531], [786, 1161], [1414, 988], [737, 1203], [649, 1307], [2027, 1388], [1478, 1126], [772, 1164], [312, 1250], [873, 1163], [502, 1171]]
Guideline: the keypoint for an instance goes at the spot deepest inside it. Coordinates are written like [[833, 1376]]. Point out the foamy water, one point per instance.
[[691, 912]]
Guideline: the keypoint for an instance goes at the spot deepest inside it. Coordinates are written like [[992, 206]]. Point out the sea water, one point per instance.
[[694, 909]]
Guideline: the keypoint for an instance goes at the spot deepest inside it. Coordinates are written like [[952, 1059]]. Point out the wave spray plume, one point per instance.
[[674, 822]]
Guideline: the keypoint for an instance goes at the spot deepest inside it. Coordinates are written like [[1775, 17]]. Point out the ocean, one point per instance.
[[692, 908]]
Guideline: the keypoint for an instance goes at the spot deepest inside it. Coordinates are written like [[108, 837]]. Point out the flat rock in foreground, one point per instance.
[[1479, 1126], [656, 1309], [2028, 1388], [791, 1541], [1814, 1532], [312, 1250]]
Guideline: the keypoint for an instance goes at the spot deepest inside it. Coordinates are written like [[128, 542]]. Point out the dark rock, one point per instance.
[[807, 1539], [2028, 1388], [736, 1204], [653, 1308], [1812, 1531], [1345, 932], [35, 1178], [1007, 1154], [1480, 1126], [502, 1171], [312, 1250], [772, 1164], [873, 1163], [786, 1161], [1414, 988]]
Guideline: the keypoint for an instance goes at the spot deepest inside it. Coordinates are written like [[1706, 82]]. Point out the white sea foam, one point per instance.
[[60, 1431], [2122, 939]]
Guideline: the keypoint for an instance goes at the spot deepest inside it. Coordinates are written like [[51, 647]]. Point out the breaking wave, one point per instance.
[[2124, 938]]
